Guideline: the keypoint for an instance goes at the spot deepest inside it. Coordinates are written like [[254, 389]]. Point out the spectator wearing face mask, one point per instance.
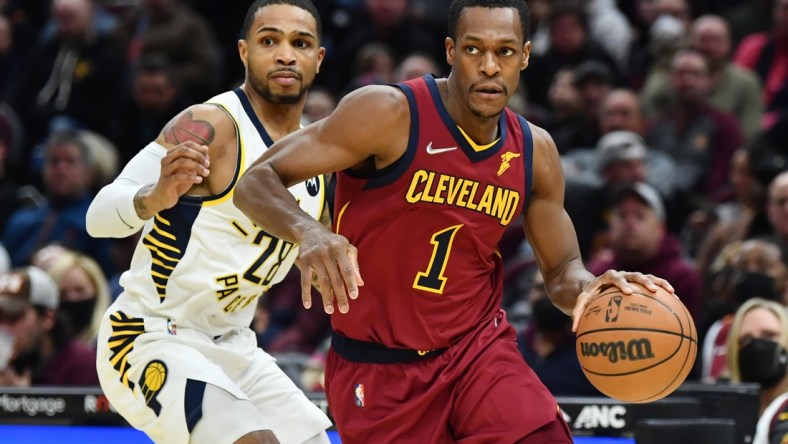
[[35, 341], [757, 346], [84, 293], [639, 241], [743, 271]]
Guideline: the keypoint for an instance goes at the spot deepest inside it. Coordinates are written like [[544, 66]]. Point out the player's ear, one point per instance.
[[526, 55], [321, 52], [242, 51], [449, 42]]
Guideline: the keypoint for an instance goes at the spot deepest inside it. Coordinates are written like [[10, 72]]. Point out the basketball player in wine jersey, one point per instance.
[[176, 357], [430, 174]]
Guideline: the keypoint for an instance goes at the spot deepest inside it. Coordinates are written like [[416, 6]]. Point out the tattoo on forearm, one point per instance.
[[186, 127], [139, 202]]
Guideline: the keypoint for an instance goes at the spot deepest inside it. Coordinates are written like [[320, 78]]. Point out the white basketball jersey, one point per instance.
[[203, 263]]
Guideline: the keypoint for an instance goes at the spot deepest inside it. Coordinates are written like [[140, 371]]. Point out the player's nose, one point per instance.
[[489, 65], [285, 55]]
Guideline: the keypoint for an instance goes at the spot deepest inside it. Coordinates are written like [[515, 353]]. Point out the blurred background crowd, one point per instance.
[[671, 118]]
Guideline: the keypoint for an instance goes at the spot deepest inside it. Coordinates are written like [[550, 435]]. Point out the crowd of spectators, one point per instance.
[[670, 116]]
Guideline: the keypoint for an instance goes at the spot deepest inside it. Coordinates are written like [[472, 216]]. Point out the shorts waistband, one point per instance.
[[375, 353]]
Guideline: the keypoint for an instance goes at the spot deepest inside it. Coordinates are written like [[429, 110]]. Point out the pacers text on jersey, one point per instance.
[[427, 186]]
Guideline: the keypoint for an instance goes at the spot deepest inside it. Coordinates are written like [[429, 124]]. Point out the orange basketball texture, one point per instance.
[[636, 348]]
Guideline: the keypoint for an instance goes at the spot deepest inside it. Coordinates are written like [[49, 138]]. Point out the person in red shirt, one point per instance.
[[431, 173], [766, 53]]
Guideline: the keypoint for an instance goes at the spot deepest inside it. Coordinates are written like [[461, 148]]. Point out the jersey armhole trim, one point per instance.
[[528, 154], [391, 173]]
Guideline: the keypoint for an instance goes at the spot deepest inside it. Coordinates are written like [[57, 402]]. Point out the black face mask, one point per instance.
[[78, 313], [749, 285], [548, 317], [763, 361]]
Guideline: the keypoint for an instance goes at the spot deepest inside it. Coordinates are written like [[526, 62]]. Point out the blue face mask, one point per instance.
[[763, 361]]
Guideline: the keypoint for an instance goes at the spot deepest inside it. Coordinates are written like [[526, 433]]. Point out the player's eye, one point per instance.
[[471, 50], [301, 44], [267, 41], [506, 51]]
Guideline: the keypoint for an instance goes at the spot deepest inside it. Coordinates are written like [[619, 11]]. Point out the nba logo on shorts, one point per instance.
[[359, 395]]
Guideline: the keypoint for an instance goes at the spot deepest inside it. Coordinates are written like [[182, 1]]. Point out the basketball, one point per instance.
[[636, 348]]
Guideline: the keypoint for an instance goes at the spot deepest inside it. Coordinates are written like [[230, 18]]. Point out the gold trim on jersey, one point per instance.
[[125, 330], [339, 217], [239, 167], [476, 147]]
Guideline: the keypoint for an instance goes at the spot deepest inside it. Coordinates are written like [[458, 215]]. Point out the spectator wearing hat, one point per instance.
[[43, 350], [639, 241], [620, 157]]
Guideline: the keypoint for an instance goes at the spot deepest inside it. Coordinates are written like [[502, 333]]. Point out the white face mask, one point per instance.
[[667, 29]]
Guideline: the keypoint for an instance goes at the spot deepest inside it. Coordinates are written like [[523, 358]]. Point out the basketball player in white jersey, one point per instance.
[[175, 355]]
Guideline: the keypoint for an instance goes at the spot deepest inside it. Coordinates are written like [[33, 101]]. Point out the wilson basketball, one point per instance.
[[636, 348]]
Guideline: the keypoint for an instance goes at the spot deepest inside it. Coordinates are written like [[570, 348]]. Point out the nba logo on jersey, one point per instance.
[[359, 395]]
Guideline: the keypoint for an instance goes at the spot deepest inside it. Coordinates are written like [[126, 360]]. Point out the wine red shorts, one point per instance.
[[479, 390]]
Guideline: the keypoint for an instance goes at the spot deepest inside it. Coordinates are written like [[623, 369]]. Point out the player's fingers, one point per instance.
[[323, 283], [183, 165], [324, 286], [188, 150], [661, 282], [337, 265], [578, 310], [643, 279], [306, 287], [620, 281], [350, 272]]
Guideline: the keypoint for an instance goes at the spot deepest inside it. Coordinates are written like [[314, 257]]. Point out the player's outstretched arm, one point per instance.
[[552, 236], [175, 164], [549, 229], [368, 129]]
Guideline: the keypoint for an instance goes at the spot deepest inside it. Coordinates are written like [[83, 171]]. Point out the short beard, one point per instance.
[[482, 115], [277, 99]]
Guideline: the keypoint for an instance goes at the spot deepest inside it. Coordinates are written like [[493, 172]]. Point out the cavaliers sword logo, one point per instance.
[[505, 159]]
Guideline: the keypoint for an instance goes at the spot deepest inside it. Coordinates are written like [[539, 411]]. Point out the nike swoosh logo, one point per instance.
[[431, 150]]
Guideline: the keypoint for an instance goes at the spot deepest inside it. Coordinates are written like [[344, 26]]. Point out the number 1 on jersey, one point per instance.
[[433, 279]]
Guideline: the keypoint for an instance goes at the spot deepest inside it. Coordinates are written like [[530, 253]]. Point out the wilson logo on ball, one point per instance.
[[634, 350]]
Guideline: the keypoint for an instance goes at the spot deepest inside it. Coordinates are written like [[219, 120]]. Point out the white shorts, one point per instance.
[[153, 374]]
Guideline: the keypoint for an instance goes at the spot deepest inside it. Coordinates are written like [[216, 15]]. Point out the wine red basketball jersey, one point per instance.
[[427, 228]]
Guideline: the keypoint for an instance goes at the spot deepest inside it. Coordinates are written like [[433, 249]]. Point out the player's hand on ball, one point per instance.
[[330, 262], [620, 279]]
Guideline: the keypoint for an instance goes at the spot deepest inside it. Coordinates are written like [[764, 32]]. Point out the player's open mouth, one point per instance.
[[488, 91]]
